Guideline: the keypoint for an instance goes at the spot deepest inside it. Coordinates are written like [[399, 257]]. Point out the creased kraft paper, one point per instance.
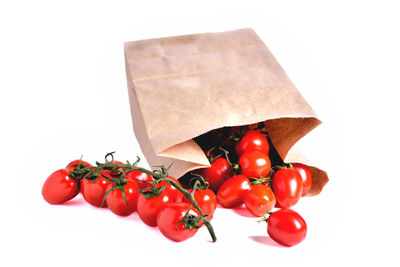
[[184, 86]]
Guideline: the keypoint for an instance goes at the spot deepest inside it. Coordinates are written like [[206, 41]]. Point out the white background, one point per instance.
[[64, 94]]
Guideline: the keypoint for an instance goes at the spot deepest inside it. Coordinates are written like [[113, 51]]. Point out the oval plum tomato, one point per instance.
[[174, 193], [252, 140], [170, 221], [305, 173], [148, 208], [286, 227], [59, 187], [259, 200], [116, 202], [216, 174], [206, 200], [233, 190], [93, 191], [141, 178], [254, 164], [73, 164], [287, 186]]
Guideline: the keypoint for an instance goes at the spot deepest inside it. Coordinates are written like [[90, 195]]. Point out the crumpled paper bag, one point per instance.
[[184, 86]]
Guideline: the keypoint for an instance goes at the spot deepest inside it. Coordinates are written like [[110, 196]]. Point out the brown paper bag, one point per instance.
[[184, 86]]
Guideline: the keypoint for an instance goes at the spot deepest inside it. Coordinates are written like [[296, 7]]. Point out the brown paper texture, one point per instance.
[[184, 86]]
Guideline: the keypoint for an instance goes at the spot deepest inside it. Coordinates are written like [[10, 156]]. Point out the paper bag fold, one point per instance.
[[182, 87]]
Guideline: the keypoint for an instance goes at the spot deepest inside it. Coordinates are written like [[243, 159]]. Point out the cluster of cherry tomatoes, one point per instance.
[[251, 180], [126, 189], [241, 172]]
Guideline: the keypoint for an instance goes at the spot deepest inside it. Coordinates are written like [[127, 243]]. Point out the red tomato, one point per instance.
[[252, 141], [174, 193], [59, 187], [141, 178], [259, 200], [305, 173], [216, 174], [148, 208], [93, 191], [287, 186], [233, 190], [73, 164], [114, 173], [169, 221], [116, 202], [254, 164], [286, 227], [206, 200]]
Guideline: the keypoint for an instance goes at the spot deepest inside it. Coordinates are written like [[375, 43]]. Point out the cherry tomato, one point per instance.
[[59, 187], [252, 141], [116, 202], [148, 208], [287, 186], [233, 190], [216, 174], [206, 200], [286, 227], [259, 200], [169, 221], [73, 164], [115, 173], [93, 191], [305, 173], [141, 178], [174, 193], [254, 164]]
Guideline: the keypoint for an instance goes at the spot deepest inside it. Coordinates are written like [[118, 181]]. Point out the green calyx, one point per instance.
[[160, 174]]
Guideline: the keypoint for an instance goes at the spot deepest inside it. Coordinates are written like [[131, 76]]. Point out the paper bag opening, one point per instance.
[[182, 87]]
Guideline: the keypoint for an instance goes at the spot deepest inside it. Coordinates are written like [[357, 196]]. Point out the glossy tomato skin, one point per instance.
[[252, 140], [59, 187], [114, 173], [259, 200], [286, 227], [141, 178], [233, 190], [73, 164], [216, 174], [93, 191], [174, 193], [148, 208], [206, 199], [116, 202], [168, 221], [287, 186], [305, 173], [254, 164]]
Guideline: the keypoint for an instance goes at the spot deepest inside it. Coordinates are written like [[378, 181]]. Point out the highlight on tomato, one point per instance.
[[233, 190], [59, 187], [148, 206], [93, 191], [178, 221], [144, 180], [260, 200], [254, 164], [305, 173], [216, 174], [286, 227], [287, 185], [206, 199], [251, 141], [122, 198]]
